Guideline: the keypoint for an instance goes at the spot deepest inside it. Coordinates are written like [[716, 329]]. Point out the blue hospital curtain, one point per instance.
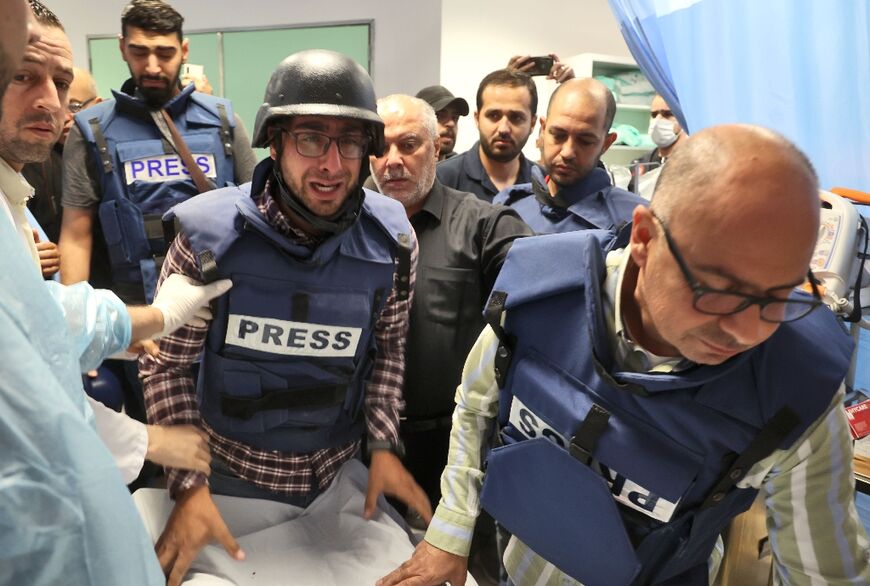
[[801, 67]]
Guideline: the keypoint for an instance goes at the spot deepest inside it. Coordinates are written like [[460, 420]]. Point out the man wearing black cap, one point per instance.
[[448, 108]]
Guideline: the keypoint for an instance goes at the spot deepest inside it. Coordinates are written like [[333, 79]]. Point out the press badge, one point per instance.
[[624, 490], [292, 338], [163, 168]]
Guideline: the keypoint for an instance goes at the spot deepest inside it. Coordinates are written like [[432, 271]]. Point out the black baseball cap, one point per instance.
[[439, 97]]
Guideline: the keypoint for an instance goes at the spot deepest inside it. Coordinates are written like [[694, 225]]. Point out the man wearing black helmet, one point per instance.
[[308, 357]]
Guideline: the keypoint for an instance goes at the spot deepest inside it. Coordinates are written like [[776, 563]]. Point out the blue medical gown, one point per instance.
[[65, 515]]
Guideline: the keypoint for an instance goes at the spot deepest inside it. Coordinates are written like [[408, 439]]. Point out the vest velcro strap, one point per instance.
[[208, 266], [102, 145], [584, 441], [170, 230], [503, 355], [159, 232], [767, 440], [403, 268], [299, 307], [226, 130], [311, 397]]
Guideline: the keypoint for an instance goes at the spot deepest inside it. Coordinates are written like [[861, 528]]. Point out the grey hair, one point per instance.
[[393, 103]]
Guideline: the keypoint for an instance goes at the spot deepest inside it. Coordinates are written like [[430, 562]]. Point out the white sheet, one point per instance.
[[327, 544]]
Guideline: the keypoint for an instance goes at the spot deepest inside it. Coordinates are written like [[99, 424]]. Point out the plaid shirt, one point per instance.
[[170, 396]]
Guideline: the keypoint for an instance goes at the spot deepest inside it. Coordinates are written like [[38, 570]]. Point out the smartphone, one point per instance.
[[542, 65], [191, 70]]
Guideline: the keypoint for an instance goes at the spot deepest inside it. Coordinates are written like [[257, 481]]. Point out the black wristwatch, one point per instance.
[[396, 448]]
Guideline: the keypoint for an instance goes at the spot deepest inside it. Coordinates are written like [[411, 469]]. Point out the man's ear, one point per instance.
[[185, 50], [122, 46], [476, 121], [437, 142], [270, 136], [611, 138], [643, 231]]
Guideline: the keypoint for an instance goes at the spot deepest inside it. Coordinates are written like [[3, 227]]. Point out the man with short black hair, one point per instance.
[[140, 173], [573, 192], [448, 108], [124, 164], [507, 102]]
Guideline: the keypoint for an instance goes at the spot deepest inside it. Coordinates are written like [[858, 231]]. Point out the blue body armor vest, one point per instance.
[[291, 345], [590, 204], [142, 176], [628, 478]]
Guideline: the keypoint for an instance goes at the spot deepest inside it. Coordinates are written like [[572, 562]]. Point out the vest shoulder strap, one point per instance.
[[542, 266], [210, 220], [492, 313], [103, 113], [387, 213]]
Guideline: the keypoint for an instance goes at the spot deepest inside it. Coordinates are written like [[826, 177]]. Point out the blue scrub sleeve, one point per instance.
[[98, 321]]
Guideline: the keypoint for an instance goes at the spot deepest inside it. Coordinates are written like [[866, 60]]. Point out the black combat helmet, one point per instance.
[[320, 83]]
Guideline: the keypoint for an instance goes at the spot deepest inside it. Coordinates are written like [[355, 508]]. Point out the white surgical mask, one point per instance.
[[661, 131]]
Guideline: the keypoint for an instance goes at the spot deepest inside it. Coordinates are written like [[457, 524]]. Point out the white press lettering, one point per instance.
[[275, 336]]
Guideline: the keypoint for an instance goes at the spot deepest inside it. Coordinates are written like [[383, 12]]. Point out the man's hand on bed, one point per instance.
[[195, 522], [388, 476]]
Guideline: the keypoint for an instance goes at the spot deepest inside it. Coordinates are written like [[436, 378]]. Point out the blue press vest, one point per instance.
[[141, 175], [291, 345], [596, 204], [636, 503]]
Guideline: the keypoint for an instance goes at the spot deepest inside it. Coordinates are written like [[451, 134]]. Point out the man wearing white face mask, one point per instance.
[[667, 134]]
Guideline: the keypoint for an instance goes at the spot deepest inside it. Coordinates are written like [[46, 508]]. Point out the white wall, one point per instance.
[[405, 58], [480, 36]]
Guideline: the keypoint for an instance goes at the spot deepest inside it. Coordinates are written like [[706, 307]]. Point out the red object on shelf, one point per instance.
[[859, 419]]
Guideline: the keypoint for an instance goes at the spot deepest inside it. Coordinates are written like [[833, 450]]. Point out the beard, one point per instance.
[[14, 147], [421, 188], [448, 142], [156, 97], [573, 173], [502, 155]]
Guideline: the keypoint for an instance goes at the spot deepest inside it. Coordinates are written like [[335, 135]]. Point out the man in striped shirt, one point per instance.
[[318, 332], [725, 233]]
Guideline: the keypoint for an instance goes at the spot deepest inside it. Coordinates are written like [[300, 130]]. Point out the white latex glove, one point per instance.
[[183, 300]]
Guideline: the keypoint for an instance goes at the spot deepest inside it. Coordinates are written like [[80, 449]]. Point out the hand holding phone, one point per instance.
[[543, 65], [192, 73], [540, 65], [192, 70]]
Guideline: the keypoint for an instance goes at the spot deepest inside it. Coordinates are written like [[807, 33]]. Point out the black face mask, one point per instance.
[[335, 224]]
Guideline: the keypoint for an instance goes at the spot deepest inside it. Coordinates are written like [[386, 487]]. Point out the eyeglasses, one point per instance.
[[315, 144], [662, 113], [718, 302], [76, 107]]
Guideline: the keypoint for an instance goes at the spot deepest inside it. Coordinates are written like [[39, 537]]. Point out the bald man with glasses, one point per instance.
[[646, 391]]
